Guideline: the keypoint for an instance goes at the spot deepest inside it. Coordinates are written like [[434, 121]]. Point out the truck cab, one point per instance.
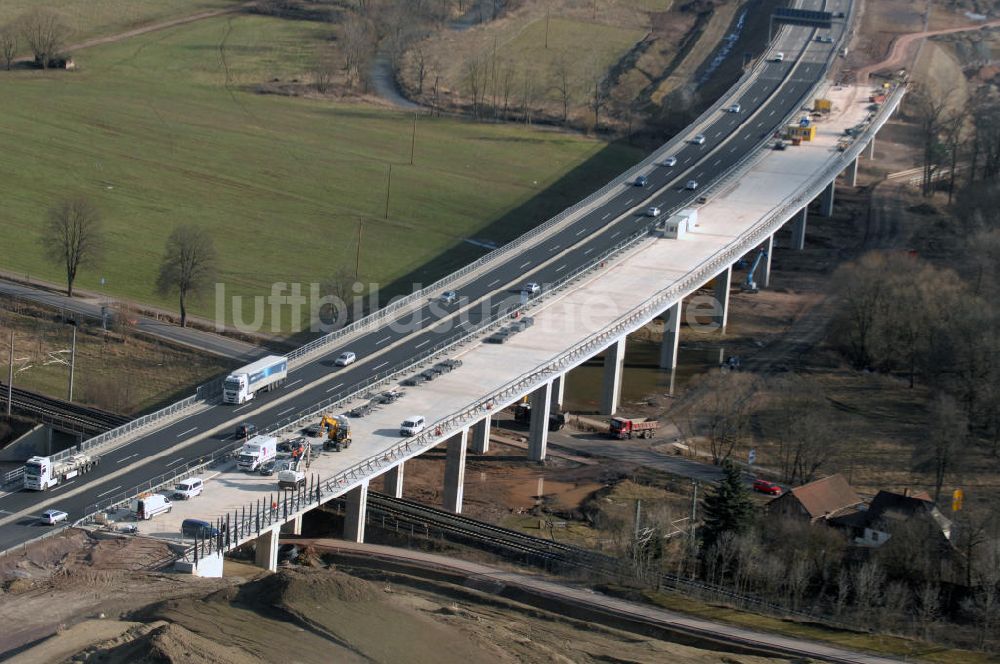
[[255, 452]]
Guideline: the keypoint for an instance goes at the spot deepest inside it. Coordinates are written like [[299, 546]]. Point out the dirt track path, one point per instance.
[[901, 45], [152, 27]]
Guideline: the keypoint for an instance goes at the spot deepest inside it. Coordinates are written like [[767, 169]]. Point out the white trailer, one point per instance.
[[41, 473], [256, 452], [265, 374]]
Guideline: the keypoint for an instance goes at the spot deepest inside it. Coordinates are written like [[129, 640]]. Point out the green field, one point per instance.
[[91, 18], [165, 129]]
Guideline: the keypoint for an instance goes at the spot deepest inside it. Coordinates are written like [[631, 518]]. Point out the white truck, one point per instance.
[[256, 452], [41, 473], [265, 374]]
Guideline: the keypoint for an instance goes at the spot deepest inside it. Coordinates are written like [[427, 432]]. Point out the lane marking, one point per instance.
[[181, 435], [526, 264], [177, 460], [334, 387], [615, 233], [130, 456], [717, 162], [493, 283], [381, 341], [379, 366], [64, 485], [554, 248], [581, 232], [295, 383], [629, 201], [101, 495], [605, 216], [561, 268], [236, 410], [422, 343], [287, 410]]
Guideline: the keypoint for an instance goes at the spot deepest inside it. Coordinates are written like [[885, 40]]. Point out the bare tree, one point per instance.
[[45, 33], [420, 64], [8, 45], [507, 75], [188, 266], [562, 85], [529, 95], [324, 72], [805, 444], [358, 42], [598, 99], [722, 411], [931, 113], [475, 82], [73, 236], [944, 445]]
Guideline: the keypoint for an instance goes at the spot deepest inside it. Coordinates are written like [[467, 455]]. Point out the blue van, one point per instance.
[[196, 528]]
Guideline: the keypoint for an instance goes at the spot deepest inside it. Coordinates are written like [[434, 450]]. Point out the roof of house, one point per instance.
[[828, 497], [888, 504]]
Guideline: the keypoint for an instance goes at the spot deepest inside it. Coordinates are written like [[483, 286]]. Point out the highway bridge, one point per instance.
[[604, 274]]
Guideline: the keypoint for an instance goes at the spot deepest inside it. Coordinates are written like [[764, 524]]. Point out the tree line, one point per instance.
[[73, 237], [41, 30]]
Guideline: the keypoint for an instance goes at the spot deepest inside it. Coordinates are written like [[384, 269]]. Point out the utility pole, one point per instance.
[[546, 28], [638, 517], [72, 364], [357, 258], [413, 138], [694, 509], [10, 375], [388, 188]]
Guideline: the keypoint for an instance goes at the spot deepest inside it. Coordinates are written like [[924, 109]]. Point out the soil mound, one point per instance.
[[293, 586], [173, 644]]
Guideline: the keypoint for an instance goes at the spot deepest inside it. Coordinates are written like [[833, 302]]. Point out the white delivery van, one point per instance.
[[146, 507], [189, 488], [412, 425]]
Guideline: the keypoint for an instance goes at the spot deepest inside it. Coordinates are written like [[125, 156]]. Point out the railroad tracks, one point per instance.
[[63, 414]]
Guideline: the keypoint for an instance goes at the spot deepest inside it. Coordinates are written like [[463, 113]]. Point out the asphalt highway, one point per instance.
[[781, 86]]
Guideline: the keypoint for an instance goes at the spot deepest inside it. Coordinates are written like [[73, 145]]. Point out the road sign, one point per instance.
[[957, 497], [752, 456]]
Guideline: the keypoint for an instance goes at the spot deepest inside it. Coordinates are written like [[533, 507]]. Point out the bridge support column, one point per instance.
[[799, 229], [394, 480], [266, 550], [723, 281], [614, 365], [357, 509], [871, 149], [538, 431], [481, 435], [826, 199], [558, 392], [852, 172], [454, 472], [769, 248], [293, 527], [671, 336]]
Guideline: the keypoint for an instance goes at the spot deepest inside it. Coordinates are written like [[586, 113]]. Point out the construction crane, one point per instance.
[[750, 286]]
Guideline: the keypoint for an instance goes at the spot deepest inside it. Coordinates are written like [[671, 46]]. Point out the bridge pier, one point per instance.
[[723, 281], [614, 365], [769, 248], [852, 172], [354, 517], [266, 550], [671, 336], [394, 480], [293, 527], [481, 435], [826, 199], [538, 429], [871, 149], [454, 471], [558, 392], [799, 229]]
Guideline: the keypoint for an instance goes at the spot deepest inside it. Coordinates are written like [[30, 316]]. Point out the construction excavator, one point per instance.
[[338, 432]]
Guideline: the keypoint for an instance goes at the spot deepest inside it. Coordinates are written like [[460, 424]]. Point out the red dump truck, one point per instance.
[[623, 427]]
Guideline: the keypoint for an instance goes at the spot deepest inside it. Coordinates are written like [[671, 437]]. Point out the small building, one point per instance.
[[678, 225], [820, 501], [888, 511]]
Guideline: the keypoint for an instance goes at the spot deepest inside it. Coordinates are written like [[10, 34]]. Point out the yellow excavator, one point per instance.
[[338, 432]]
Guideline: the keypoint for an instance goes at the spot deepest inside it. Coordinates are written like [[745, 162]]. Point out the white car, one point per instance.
[[52, 517], [449, 297], [691, 185], [653, 211], [735, 108], [412, 425], [778, 57], [670, 162], [699, 139], [345, 358], [530, 288]]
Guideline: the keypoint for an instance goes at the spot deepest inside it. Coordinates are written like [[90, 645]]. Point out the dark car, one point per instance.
[[267, 468], [246, 430], [770, 488], [313, 430], [641, 181]]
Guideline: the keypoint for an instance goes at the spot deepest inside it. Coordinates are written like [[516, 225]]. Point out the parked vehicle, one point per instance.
[[288, 553], [292, 476], [623, 427], [531, 288], [197, 528], [255, 452], [188, 489], [412, 425], [52, 517], [778, 57], [268, 467], [41, 473], [147, 506], [770, 488], [338, 432], [345, 358], [522, 413], [263, 375]]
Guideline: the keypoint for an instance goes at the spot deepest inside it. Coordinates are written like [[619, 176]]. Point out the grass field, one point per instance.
[[165, 129], [91, 18]]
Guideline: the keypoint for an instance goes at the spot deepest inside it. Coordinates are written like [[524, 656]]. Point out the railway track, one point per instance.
[[63, 414]]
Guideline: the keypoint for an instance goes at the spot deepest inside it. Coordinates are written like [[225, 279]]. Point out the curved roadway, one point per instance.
[[765, 102]]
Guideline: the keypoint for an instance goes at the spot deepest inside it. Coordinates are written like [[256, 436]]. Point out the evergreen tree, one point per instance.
[[728, 507]]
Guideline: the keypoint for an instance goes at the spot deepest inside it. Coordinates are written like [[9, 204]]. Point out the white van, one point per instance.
[[412, 425], [189, 488], [778, 57], [149, 506]]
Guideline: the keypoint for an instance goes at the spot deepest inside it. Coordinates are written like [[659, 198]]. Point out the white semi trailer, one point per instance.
[[265, 374], [41, 473]]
